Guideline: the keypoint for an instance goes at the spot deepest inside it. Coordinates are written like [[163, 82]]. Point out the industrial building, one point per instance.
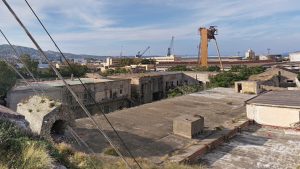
[[111, 94], [294, 57], [275, 108], [149, 87]]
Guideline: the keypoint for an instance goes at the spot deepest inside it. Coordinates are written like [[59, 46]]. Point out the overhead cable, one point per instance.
[[65, 83], [89, 93]]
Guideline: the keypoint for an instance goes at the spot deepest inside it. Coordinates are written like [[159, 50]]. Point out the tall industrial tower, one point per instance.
[[206, 36]]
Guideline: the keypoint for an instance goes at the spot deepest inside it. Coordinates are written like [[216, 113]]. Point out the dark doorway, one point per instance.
[[240, 87], [157, 96], [58, 128]]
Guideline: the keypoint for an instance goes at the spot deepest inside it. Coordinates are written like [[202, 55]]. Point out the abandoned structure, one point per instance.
[[188, 126], [275, 108], [47, 117], [276, 77], [149, 87], [248, 87], [12, 116], [111, 94]]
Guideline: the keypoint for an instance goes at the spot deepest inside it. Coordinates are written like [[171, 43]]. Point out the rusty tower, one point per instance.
[[206, 36]]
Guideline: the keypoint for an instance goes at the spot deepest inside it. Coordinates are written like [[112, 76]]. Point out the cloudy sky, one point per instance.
[[103, 27]]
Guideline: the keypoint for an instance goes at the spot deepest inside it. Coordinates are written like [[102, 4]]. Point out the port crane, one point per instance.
[[206, 36], [140, 54], [170, 48]]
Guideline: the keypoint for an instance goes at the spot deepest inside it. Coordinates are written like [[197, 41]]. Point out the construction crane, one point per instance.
[[206, 36], [140, 54], [170, 49]]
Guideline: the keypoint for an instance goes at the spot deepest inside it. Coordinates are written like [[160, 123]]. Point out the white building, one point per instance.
[[275, 108], [171, 58], [250, 55], [294, 57]]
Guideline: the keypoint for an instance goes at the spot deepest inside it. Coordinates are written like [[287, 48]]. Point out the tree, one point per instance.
[[147, 61], [237, 73], [179, 68], [213, 69], [7, 78], [30, 63], [76, 70]]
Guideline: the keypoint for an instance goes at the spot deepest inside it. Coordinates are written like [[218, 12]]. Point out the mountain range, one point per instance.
[[6, 51]]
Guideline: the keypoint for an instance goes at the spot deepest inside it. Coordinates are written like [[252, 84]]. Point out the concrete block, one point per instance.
[[188, 126]]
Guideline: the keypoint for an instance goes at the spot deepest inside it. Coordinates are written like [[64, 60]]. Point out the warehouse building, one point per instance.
[[275, 108]]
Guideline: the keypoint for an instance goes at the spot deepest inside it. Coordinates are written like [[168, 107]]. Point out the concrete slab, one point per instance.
[[147, 129], [256, 148]]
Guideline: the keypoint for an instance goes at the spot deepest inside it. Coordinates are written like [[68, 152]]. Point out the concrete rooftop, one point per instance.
[[59, 83], [147, 129], [284, 98], [257, 148]]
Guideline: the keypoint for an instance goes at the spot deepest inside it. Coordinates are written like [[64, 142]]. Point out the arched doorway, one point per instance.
[[58, 128]]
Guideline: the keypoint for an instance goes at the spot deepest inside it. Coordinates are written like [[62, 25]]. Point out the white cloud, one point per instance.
[[237, 19]]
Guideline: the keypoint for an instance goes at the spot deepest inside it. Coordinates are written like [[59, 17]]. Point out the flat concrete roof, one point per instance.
[[147, 129], [59, 83], [284, 98], [257, 148], [148, 74]]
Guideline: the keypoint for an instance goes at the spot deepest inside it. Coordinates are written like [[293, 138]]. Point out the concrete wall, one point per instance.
[[152, 87], [274, 116], [201, 76]]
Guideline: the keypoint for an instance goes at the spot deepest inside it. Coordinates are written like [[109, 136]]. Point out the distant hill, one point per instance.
[[6, 51]]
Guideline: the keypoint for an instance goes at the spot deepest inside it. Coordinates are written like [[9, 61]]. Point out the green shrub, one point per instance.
[[183, 90], [179, 68], [9, 130]]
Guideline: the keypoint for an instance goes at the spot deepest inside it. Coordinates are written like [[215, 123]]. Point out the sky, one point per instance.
[[105, 27]]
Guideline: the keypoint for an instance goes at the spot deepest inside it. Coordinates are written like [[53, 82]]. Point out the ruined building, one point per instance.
[[111, 94]]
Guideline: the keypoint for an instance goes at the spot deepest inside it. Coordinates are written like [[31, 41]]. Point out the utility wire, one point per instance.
[[89, 93], [64, 81], [20, 59]]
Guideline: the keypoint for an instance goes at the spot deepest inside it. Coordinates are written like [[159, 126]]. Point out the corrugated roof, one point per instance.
[[278, 98]]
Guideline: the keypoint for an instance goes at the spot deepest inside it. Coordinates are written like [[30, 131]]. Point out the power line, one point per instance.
[[20, 59], [64, 81], [89, 93]]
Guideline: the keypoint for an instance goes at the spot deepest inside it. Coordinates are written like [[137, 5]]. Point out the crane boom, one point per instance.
[[139, 54]]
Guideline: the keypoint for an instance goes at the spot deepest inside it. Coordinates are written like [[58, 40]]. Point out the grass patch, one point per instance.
[[111, 152]]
